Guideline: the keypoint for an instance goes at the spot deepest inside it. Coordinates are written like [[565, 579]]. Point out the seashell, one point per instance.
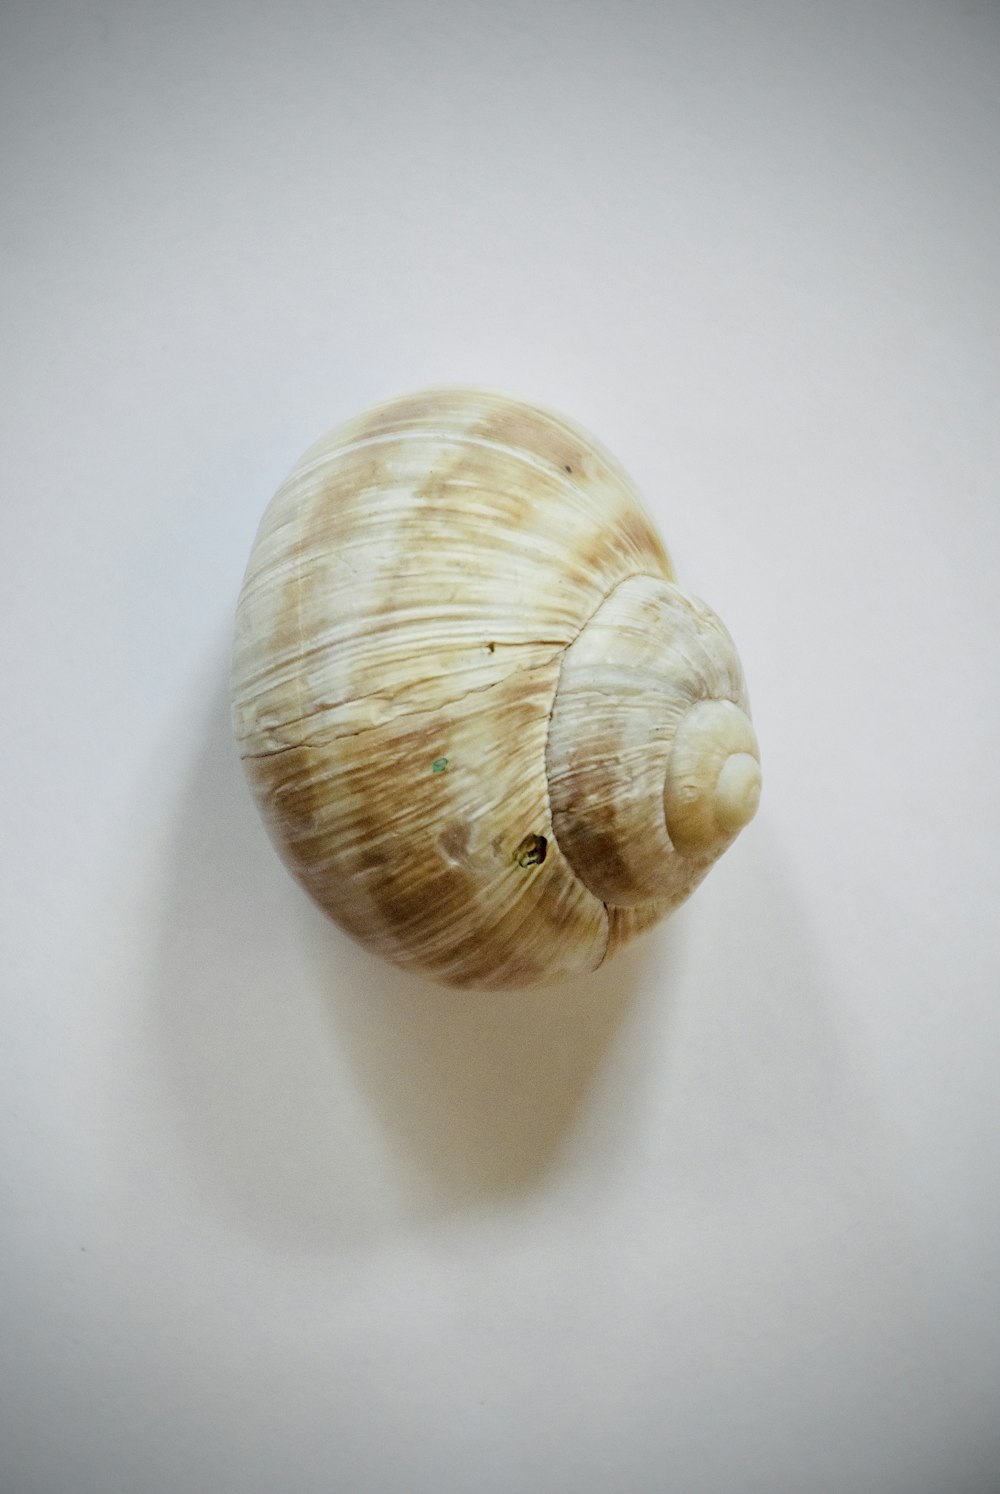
[[487, 731]]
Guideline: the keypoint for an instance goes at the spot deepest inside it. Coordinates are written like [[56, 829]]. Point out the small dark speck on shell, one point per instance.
[[531, 851]]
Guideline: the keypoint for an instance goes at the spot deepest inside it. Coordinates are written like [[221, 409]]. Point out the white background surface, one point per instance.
[[725, 1218]]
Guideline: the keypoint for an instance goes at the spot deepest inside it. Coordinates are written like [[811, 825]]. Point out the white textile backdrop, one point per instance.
[[725, 1219]]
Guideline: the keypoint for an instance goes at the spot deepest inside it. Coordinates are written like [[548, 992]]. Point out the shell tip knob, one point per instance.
[[737, 792], [712, 787]]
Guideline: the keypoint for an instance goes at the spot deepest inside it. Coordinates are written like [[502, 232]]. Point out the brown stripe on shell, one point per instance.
[[409, 835]]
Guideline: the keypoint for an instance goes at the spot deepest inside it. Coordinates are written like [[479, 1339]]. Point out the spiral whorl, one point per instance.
[[712, 785], [652, 761]]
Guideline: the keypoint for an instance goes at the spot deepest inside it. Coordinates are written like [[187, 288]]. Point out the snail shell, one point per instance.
[[486, 730]]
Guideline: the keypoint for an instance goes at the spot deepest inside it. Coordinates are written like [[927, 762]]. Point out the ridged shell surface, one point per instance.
[[413, 594]]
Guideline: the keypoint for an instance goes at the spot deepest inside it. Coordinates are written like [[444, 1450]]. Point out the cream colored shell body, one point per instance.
[[474, 708]]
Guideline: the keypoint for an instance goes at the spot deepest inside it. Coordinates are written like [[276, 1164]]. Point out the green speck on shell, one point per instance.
[[439, 764]]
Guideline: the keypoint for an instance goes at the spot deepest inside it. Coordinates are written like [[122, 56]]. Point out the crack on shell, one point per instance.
[[331, 735]]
